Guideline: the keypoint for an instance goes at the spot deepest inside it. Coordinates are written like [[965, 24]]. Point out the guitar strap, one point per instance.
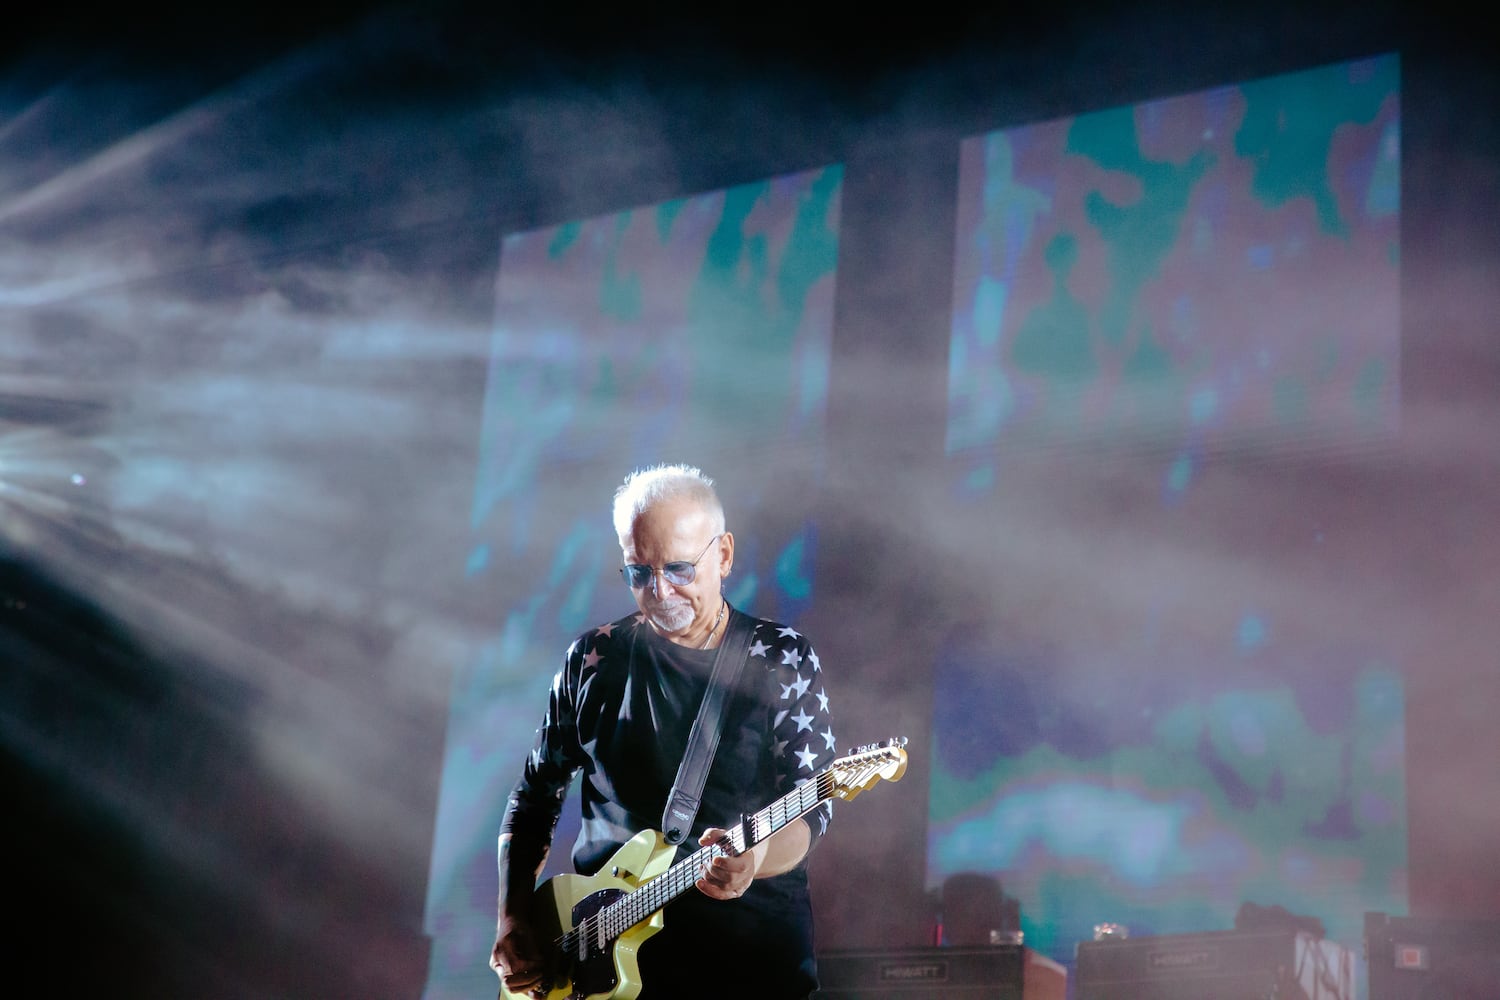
[[703, 739]]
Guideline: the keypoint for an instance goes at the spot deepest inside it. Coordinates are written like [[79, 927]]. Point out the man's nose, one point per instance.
[[659, 583]]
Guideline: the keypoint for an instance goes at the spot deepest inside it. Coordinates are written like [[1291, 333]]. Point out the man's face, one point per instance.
[[679, 531]]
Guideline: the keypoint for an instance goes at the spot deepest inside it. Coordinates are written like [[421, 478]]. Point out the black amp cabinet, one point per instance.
[[1411, 958], [980, 972], [1222, 965]]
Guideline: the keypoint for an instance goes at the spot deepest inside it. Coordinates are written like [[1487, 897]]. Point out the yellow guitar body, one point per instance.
[[642, 858], [597, 923]]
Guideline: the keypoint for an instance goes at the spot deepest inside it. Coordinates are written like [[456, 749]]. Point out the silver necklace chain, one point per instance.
[[722, 605]]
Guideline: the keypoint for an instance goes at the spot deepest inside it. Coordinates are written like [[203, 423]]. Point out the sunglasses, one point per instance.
[[679, 574]]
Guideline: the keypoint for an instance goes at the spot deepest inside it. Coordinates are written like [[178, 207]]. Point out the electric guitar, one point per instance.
[[596, 924]]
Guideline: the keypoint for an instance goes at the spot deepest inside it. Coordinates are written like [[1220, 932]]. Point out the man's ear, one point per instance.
[[726, 554]]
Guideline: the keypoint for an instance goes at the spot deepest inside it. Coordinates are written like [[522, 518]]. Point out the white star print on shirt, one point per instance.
[[802, 719]]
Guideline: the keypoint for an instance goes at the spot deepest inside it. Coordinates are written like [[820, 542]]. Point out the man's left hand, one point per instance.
[[728, 877]]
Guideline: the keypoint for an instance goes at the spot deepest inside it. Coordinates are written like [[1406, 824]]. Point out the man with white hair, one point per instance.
[[620, 711]]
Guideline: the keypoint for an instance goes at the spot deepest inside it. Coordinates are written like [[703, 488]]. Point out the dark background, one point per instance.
[[223, 702]]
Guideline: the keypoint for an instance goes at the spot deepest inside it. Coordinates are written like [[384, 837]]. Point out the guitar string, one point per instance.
[[630, 909], [615, 919]]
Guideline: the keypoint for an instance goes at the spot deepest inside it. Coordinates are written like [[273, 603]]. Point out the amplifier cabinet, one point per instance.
[[982, 972], [1424, 958], [1221, 965]]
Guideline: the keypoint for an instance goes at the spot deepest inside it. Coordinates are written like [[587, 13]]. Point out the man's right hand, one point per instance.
[[516, 958]]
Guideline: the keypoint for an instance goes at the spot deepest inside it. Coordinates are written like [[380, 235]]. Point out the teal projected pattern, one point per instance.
[[1178, 294], [696, 331], [1166, 807], [1210, 268]]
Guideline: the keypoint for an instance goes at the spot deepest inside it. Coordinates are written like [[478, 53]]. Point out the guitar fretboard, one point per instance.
[[631, 909], [595, 933]]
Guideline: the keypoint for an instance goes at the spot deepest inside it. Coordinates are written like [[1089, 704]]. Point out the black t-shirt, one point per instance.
[[619, 711]]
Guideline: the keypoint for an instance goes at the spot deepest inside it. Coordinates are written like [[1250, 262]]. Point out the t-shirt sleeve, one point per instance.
[[802, 720], [536, 802]]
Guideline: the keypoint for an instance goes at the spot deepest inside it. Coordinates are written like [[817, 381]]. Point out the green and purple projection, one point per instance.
[[1163, 315]]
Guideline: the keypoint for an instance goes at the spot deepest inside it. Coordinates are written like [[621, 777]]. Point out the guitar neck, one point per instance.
[[844, 778]]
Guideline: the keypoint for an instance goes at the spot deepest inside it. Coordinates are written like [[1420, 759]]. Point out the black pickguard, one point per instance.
[[594, 971]]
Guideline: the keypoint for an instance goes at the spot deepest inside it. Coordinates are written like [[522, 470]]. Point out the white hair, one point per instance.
[[644, 488]]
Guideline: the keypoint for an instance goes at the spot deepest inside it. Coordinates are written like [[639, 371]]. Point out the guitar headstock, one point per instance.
[[866, 765]]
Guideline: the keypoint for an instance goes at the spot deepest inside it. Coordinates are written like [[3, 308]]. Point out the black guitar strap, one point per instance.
[[703, 739]]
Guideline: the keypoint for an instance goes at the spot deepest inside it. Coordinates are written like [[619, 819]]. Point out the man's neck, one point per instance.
[[704, 634]]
